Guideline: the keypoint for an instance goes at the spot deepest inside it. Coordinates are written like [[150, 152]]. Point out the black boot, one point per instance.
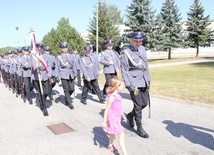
[[69, 102], [30, 101], [45, 111], [130, 118], [141, 132], [51, 97]]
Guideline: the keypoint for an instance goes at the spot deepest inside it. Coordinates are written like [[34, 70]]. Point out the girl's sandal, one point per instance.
[[112, 149]]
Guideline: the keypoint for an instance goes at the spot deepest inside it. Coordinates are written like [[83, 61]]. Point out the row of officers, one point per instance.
[[23, 71]]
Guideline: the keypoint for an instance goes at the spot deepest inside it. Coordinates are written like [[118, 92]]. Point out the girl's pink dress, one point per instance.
[[114, 116]]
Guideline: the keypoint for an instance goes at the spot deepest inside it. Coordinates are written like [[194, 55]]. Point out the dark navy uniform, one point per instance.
[[136, 76], [111, 63], [67, 71], [90, 69]]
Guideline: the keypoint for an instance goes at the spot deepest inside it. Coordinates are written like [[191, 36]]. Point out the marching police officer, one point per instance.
[[77, 59], [111, 63], [18, 71], [90, 69], [52, 63], [41, 75], [26, 73], [67, 72], [136, 76]]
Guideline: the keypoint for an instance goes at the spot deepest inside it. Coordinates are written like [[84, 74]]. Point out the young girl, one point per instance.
[[113, 114]]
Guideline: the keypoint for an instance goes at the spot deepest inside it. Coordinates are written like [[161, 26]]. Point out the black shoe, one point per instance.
[[45, 112], [79, 85], [130, 118], [51, 97], [102, 101], [141, 132], [84, 102], [70, 105], [30, 101]]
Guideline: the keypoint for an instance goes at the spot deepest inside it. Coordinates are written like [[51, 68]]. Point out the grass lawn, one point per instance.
[[192, 82]]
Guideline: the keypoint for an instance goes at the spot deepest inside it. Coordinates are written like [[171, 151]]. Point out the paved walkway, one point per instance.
[[175, 127], [180, 63]]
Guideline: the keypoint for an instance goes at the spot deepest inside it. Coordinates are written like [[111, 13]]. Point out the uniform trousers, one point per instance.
[[12, 81], [108, 78], [45, 89], [68, 87], [140, 102], [28, 87], [18, 84], [96, 88], [78, 77], [51, 85]]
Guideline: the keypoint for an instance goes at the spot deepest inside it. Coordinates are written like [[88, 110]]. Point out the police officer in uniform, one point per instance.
[[26, 73], [77, 59], [18, 71], [52, 63], [67, 72], [136, 76], [41, 74], [90, 69], [111, 63]]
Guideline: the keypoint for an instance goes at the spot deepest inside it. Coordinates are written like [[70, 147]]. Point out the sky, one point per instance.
[[43, 15]]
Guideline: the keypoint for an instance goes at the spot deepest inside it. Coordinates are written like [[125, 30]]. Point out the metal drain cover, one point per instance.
[[60, 128]]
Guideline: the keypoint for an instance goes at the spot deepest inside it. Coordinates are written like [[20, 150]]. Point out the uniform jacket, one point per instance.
[[66, 66], [90, 66], [18, 65], [37, 67], [105, 57], [135, 72], [77, 59], [26, 65], [53, 65]]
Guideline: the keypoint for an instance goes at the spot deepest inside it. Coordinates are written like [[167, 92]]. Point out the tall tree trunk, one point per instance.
[[197, 50], [169, 53]]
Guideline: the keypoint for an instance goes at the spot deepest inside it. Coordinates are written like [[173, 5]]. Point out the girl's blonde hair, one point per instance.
[[113, 85]]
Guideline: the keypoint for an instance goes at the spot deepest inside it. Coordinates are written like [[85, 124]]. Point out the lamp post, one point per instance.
[[17, 28], [97, 27]]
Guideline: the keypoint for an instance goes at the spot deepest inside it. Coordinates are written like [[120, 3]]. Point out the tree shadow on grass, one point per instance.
[[204, 64], [195, 134]]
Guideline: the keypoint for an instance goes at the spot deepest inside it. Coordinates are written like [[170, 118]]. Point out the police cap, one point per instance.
[[19, 50], [47, 48], [9, 52], [39, 45], [63, 45], [138, 36], [87, 48], [25, 48], [109, 42], [15, 52]]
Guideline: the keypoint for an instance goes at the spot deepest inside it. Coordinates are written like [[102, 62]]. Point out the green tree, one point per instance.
[[64, 33], [172, 26], [106, 26], [140, 17], [158, 34], [197, 26], [6, 49]]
